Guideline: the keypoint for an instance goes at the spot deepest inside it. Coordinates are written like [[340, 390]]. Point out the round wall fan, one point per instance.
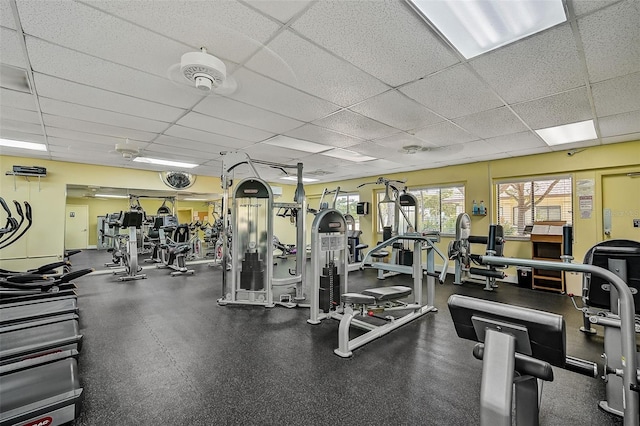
[[178, 180]]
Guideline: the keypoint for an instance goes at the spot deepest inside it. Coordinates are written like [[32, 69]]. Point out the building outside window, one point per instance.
[[520, 203]]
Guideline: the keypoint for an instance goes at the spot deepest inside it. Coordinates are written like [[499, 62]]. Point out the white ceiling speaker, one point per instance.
[[202, 73], [433, 150], [127, 150]]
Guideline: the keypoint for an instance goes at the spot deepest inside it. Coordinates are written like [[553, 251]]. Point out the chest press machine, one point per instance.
[[329, 289]]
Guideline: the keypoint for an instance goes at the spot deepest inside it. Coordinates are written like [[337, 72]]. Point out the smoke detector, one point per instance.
[[202, 73], [127, 150]]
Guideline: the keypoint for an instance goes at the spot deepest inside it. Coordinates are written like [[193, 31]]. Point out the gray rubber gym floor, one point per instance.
[[161, 351]]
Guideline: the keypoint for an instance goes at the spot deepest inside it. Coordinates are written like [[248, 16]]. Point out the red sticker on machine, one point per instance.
[[45, 421]]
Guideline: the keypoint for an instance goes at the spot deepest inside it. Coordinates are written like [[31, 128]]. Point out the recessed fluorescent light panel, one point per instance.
[[575, 132], [294, 178], [110, 196], [297, 144], [345, 154], [164, 162], [478, 26], [9, 143]]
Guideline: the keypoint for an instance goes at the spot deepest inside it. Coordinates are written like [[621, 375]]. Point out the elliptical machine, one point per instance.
[[131, 220], [174, 246]]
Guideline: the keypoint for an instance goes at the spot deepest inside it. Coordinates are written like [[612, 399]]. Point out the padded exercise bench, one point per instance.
[[368, 303]]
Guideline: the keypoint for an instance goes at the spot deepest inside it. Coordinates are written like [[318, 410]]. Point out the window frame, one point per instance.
[[498, 208], [380, 193]]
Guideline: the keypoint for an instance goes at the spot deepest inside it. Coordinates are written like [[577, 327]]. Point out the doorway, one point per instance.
[[76, 228], [621, 207]]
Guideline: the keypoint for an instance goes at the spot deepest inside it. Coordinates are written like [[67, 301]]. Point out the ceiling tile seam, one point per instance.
[[585, 70], [102, 109], [310, 123], [34, 94], [614, 78], [160, 76], [314, 122], [105, 90], [287, 24], [93, 133], [95, 122], [14, 107], [146, 29]]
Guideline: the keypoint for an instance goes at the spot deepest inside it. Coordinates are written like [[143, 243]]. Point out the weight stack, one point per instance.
[[252, 274], [326, 302]]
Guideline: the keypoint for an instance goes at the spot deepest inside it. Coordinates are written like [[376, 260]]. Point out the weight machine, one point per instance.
[[252, 211], [460, 251], [398, 215]]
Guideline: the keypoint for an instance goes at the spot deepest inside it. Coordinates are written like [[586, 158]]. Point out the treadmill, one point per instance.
[[36, 338], [24, 311], [40, 391]]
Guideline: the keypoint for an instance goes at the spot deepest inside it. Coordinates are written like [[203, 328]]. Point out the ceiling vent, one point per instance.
[[14, 78], [413, 149], [203, 74], [127, 150]]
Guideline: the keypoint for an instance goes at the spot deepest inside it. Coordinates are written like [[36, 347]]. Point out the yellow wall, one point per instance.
[[479, 179], [44, 242]]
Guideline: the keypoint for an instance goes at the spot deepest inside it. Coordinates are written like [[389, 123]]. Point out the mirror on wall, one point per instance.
[[88, 206]]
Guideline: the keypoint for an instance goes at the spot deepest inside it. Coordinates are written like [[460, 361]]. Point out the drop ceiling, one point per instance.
[[366, 76]]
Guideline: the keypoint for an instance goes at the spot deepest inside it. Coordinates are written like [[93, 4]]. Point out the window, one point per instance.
[[346, 204], [520, 203], [438, 208]]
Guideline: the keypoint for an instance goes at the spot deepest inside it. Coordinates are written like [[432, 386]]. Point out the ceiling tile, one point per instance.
[[543, 64], [57, 61], [97, 128], [15, 99], [170, 144], [99, 34], [238, 112], [397, 110], [620, 124], [617, 95], [495, 122], [12, 53], [282, 10], [623, 138], [228, 29], [384, 38], [20, 126], [277, 154], [17, 135], [274, 96], [222, 127], [582, 7], [313, 133], [6, 15], [317, 162], [443, 134], [80, 112], [476, 149], [611, 39], [516, 142], [76, 147], [311, 69], [201, 136], [399, 140], [453, 93], [8, 113], [529, 151], [68, 91], [356, 125], [567, 107], [87, 137]]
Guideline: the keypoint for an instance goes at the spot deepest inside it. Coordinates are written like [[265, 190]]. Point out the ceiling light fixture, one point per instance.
[[345, 154], [478, 26], [110, 196], [161, 162], [304, 179], [297, 144], [574, 132], [10, 143]]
